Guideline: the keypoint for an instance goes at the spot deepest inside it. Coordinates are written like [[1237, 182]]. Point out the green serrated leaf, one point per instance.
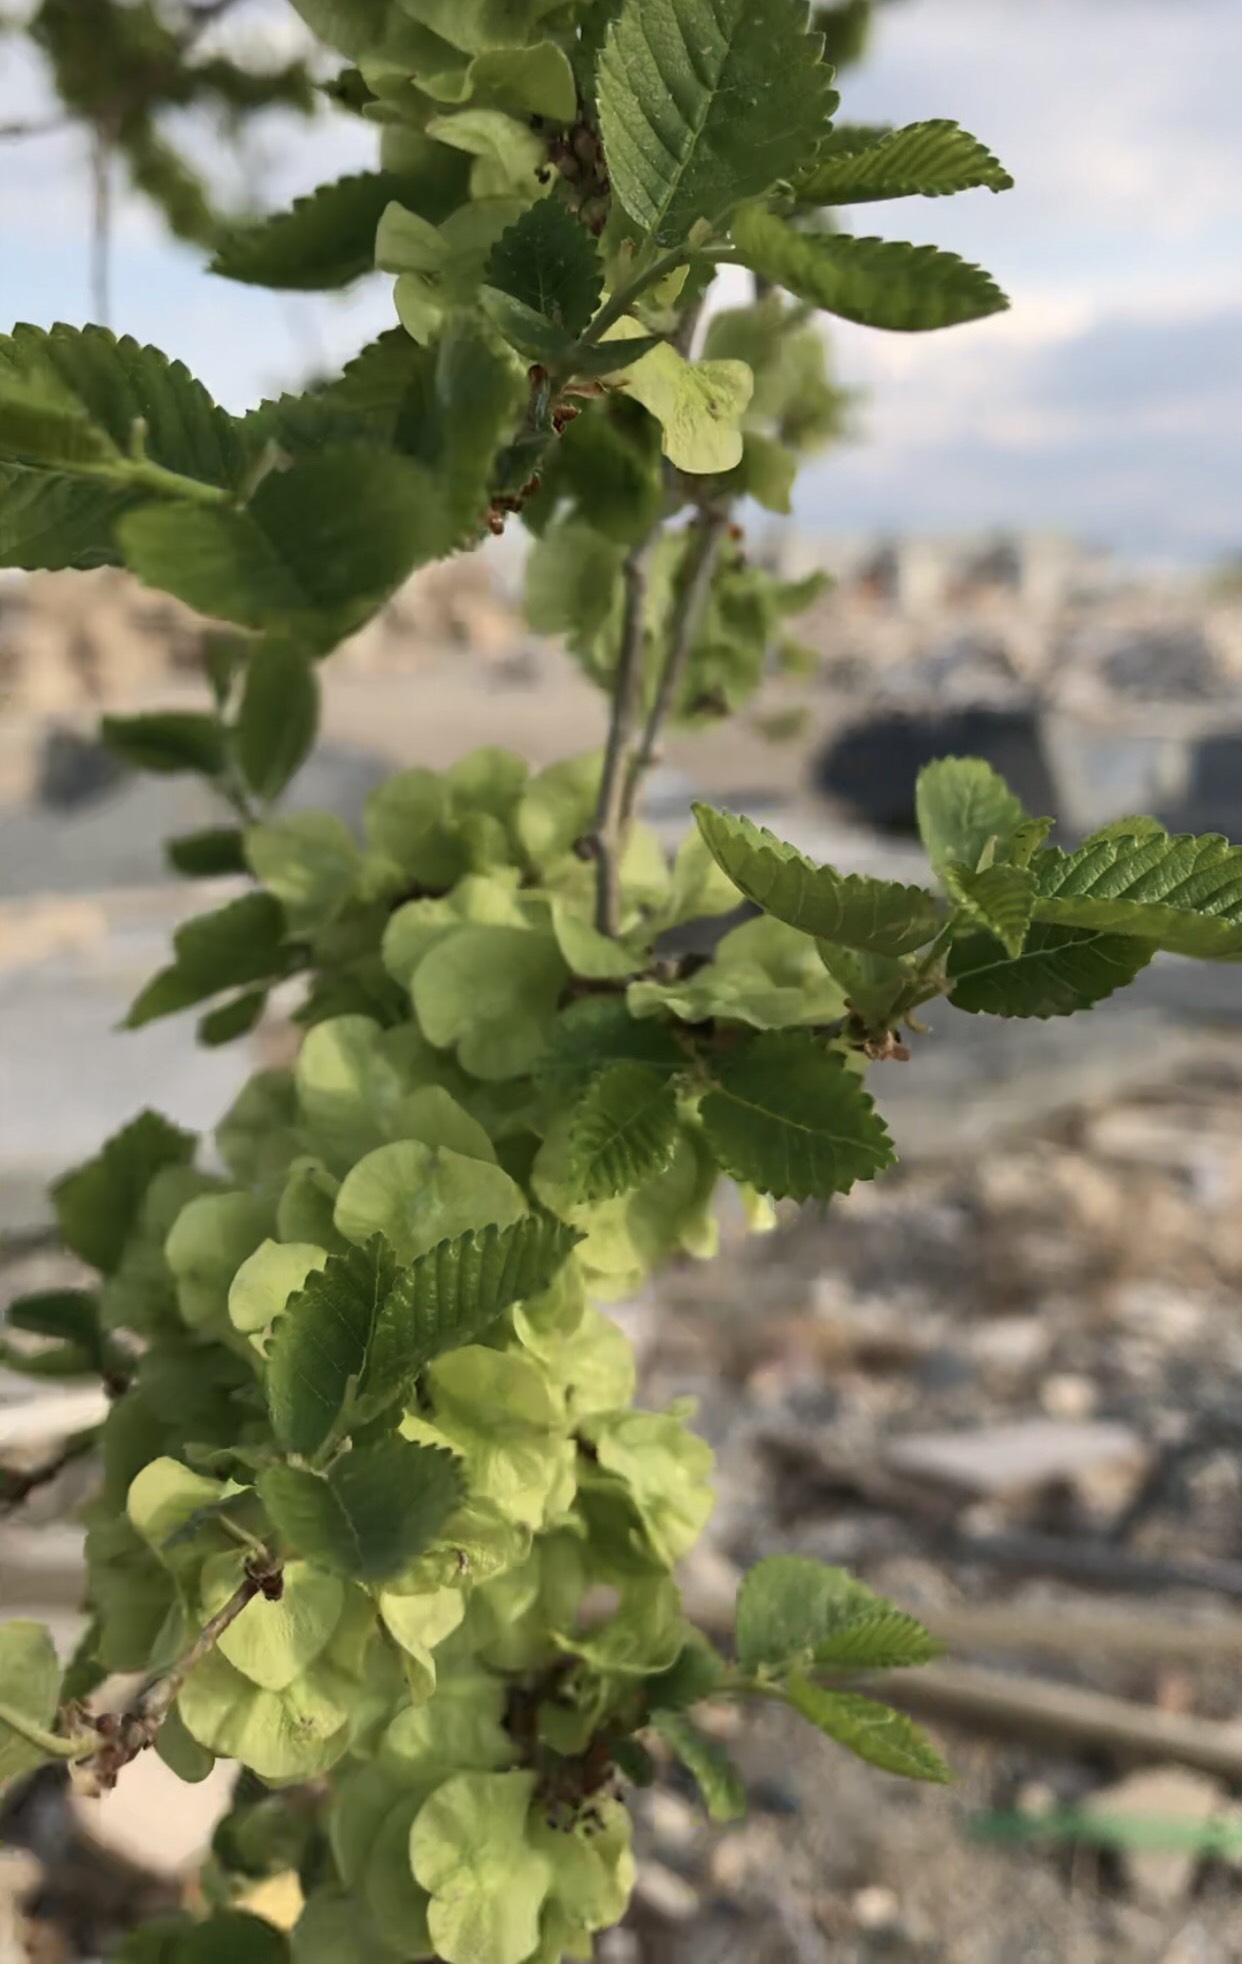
[[208, 854], [167, 741], [549, 261], [929, 160], [597, 1032], [874, 1732], [371, 1514], [717, 1779], [624, 1130], [97, 1205], [233, 1019], [239, 943], [793, 1120], [450, 1295], [702, 105], [873, 985], [1000, 899], [793, 1612], [321, 1344], [234, 1937], [315, 552], [875, 282], [1133, 827], [50, 521], [113, 399], [278, 719], [1060, 971], [1181, 893], [962, 804], [308, 862], [876, 916], [324, 240]]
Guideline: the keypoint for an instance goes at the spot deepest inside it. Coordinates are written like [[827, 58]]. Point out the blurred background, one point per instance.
[[1003, 1384]]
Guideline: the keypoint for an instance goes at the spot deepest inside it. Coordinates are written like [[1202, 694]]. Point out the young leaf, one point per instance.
[[962, 804], [715, 1775], [279, 718], [705, 102], [206, 855], [324, 240], [97, 1205], [450, 1295], [875, 1732], [875, 916], [272, 1643], [549, 261], [929, 160], [371, 1514], [1183, 894], [321, 1344], [793, 1120], [29, 1694], [167, 741], [699, 405], [1061, 970], [288, 1735], [624, 1131], [471, 1849], [875, 282], [239, 943], [999, 899], [492, 992], [262, 1286], [417, 1195]]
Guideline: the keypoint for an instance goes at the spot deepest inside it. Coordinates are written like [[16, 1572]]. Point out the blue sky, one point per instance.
[[1108, 403]]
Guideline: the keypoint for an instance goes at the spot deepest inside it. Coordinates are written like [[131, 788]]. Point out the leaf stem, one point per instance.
[[610, 812], [143, 472], [630, 290], [17, 1487], [710, 527]]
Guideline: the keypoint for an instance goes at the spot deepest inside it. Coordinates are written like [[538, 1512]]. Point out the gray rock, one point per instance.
[[998, 1460]]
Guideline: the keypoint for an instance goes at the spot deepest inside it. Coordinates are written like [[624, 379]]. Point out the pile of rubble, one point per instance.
[[1004, 1393], [70, 642]]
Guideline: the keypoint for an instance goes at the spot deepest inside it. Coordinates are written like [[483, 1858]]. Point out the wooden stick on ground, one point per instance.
[[1065, 1630], [1033, 1708]]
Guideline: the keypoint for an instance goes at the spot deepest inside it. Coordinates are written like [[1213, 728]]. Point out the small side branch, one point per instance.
[[101, 226], [696, 586], [17, 1487], [609, 840], [123, 1735]]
